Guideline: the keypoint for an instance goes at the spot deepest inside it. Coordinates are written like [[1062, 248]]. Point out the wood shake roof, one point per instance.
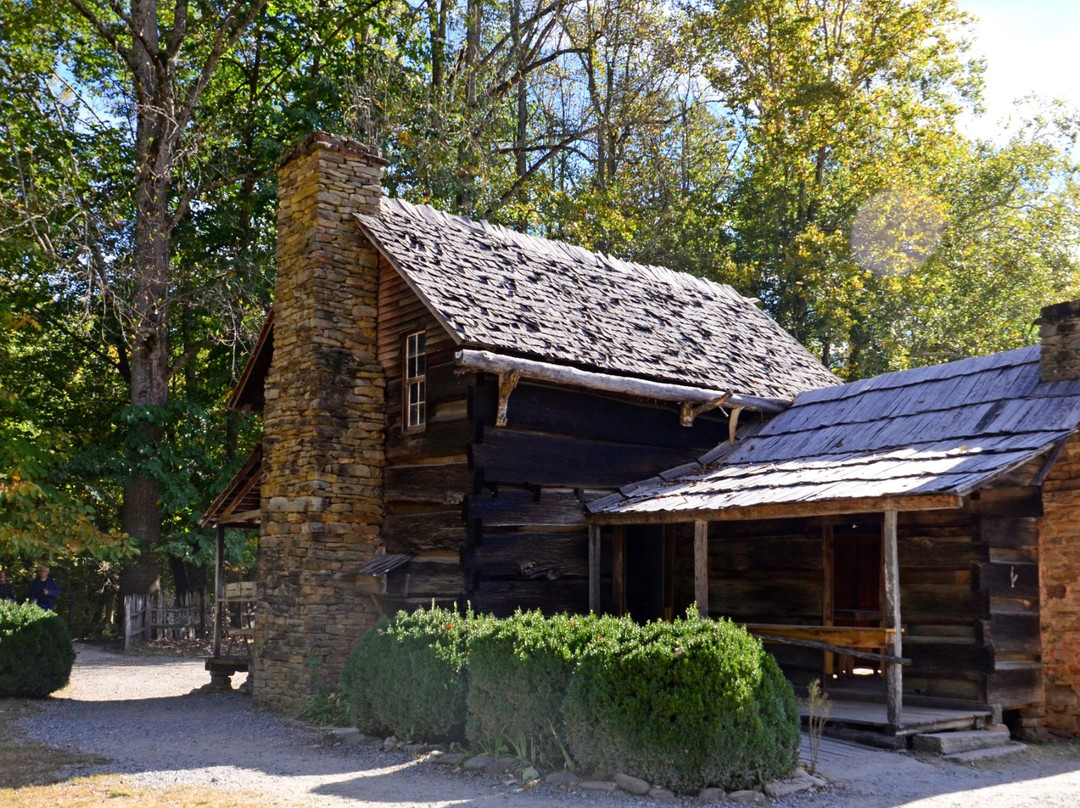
[[525, 296], [922, 433]]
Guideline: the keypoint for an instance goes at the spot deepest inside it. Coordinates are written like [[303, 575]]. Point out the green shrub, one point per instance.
[[684, 704], [35, 651], [407, 676], [519, 670]]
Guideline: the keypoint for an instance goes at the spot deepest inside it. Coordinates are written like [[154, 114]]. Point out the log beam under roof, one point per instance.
[[489, 362]]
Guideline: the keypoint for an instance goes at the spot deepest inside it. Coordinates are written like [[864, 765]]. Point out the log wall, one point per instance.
[[527, 540], [427, 476], [968, 592]]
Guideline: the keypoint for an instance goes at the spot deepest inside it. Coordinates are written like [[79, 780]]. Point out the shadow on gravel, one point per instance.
[[220, 739]]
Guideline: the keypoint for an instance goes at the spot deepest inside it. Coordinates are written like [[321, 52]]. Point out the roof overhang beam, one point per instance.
[[690, 398]]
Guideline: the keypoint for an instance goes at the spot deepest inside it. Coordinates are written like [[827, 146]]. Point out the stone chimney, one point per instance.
[[323, 424], [1059, 332]]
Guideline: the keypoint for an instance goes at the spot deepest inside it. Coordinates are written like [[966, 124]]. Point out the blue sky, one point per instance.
[[1031, 46]]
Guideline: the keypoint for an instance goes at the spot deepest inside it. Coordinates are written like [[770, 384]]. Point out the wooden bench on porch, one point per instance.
[[858, 641]]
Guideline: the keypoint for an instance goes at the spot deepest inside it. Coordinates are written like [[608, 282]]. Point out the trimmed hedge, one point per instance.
[[684, 705], [407, 676], [36, 654], [519, 670]]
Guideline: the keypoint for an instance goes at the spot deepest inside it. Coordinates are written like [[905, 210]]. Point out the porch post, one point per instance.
[[893, 671], [828, 607], [594, 569], [219, 588], [701, 567]]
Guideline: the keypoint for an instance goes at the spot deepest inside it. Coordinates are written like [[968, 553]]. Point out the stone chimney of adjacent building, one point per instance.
[[323, 424], [1059, 332]]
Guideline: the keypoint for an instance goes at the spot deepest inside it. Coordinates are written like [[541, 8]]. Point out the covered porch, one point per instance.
[[821, 589]]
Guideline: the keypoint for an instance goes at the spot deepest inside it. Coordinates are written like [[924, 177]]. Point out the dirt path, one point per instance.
[[141, 713]]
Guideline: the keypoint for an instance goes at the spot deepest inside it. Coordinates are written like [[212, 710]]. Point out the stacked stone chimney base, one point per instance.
[[324, 426]]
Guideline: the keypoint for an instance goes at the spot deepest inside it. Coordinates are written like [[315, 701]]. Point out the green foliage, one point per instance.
[[36, 654], [684, 705], [407, 675], [519, 671]]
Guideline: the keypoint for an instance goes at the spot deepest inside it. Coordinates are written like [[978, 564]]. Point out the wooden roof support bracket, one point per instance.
[[689, 410], [507, 382]]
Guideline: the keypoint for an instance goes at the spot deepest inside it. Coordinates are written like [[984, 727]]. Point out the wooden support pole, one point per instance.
[[893, 671], [618, 569], [219, 588], [594, 569], [828, 586], [701, 567]]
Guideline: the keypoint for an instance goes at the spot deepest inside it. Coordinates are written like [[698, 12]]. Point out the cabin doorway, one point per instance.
[[857, 592], [648, 573]]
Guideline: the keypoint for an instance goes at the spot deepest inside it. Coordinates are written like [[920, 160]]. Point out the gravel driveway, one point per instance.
[[141, 713]]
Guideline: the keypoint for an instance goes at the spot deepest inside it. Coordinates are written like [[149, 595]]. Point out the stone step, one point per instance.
[[974, 757], [950, 743]]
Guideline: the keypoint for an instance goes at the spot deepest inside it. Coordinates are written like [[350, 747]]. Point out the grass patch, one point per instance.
[[112, 791], [24, 762]]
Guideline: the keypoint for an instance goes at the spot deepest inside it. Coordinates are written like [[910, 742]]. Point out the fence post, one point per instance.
[[127, 622]]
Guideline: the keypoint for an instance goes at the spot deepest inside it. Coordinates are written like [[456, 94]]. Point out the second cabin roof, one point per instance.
[[526, 296], [940, 431]]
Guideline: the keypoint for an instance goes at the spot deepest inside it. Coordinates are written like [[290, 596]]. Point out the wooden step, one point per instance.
[[951, 743], [973, 757]]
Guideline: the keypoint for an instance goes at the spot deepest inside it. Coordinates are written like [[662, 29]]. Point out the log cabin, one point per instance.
[[440, 400], [459, 413]]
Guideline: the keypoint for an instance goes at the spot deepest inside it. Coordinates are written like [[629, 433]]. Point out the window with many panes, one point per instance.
[[415, 399]]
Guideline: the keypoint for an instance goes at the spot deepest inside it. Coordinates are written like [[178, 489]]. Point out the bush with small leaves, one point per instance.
[[36, 654], [407, 676], [519, 670], [686, 704]]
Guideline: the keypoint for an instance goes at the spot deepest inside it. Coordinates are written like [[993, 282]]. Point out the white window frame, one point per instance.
[[414, 382]]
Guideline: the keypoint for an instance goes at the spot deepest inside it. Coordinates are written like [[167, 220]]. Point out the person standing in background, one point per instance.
[[44, 590]]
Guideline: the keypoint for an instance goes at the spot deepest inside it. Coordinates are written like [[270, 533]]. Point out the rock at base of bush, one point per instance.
[[605, 786], [746, 797], [632, 785], [562, 779], [711, 795], [661, 794], [446, 758], [479, 762]]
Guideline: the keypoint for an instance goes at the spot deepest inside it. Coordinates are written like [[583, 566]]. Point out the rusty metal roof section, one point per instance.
[[922, 435], [525, 296], [239, 504]]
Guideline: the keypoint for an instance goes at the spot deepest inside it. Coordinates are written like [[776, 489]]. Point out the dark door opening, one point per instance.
[[856, 587], [645, 572]]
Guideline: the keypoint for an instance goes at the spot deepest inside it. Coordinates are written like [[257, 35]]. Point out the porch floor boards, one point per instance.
[[914, 719]]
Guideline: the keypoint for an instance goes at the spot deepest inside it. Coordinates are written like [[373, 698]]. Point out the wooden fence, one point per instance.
[[147, 617]]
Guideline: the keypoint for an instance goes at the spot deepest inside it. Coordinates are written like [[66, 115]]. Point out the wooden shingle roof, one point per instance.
[[941, 431], [525, 296]]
